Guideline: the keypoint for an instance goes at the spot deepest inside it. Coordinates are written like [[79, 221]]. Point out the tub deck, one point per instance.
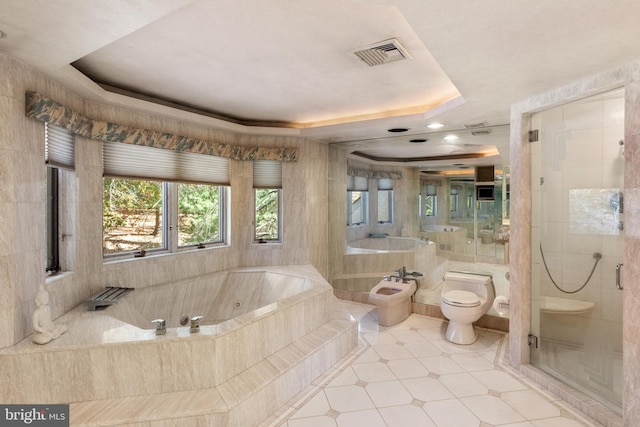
[[237, 372]]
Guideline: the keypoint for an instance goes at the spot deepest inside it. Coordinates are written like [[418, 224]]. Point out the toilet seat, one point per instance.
[[459, 298]]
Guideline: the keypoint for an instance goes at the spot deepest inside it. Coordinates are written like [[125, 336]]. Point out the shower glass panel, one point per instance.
[[577, 245]]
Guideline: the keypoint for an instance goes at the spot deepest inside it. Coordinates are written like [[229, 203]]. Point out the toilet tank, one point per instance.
[[480, 284]]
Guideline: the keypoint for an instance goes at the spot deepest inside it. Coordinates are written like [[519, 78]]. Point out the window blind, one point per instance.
[[267, 174], [357, 183], [58, 147], [136, 161], [385, 184]]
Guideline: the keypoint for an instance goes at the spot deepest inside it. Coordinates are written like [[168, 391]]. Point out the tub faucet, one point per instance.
[[161, 326], [195, 324]]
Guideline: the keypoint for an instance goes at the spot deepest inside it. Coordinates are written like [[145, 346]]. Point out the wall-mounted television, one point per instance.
[[484, 192]]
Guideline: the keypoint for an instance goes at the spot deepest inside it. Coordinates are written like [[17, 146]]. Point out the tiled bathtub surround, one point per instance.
[[367, 260], [291, 336]]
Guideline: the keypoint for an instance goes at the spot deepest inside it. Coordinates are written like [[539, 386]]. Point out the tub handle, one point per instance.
[[195, 324], [161, 326], [618, 272]]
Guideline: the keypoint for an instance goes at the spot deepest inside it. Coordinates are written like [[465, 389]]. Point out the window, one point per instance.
[[267, 185], [200, 209], [385, 201], [161, 200], [59, 156], [132, 215], [431, 201], [453, 200], [357, 204], [53, 250], [357, 200], [430, 206]]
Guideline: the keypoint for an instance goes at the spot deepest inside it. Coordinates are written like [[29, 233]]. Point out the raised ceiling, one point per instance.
[[290, 67]]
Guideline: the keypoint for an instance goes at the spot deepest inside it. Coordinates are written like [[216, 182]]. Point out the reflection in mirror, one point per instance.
[[469, 230]]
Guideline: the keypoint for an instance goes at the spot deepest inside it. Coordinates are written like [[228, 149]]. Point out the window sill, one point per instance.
[[160, 253], [57, 277]]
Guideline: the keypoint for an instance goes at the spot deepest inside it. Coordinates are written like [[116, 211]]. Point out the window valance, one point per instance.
[[430, 181], [47, 110], [366, 173]]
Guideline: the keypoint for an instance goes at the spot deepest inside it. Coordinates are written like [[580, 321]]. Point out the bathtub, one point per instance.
[[267, 333], [445, 228], [367, 260], [449, 238], [229, 296], [384, 244]]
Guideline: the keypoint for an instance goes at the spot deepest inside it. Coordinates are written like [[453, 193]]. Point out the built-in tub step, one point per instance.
[[106, 297], [245, 399]]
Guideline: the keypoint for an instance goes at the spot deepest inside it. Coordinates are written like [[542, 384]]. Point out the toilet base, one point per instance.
[[459, 333], [389, 316]]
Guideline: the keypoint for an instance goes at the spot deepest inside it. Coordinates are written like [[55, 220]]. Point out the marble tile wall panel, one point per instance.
[[378, 262]]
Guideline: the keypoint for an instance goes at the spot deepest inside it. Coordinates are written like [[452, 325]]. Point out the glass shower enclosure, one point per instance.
[[577, 245]]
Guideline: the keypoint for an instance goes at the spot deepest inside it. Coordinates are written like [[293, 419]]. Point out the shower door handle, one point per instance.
[[618, 271]]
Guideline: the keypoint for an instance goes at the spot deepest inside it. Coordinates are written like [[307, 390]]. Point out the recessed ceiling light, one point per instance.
[[435, 125], [397, 130], [450, 137], [418, 140]]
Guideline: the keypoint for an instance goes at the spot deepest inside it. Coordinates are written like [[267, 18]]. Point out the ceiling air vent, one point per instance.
[[475, 125], [480, 132], [382, 53]]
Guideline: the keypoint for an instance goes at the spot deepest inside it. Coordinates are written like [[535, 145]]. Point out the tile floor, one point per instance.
[[409, 375]]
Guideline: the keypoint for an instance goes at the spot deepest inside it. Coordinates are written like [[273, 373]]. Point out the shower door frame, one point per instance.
[[627, 76], [573, 216]]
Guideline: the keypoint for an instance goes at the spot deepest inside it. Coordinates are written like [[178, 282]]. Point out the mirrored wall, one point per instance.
[[468, 220]]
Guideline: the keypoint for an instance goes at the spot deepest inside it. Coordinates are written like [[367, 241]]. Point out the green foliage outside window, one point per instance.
[[267, 214], [198, 213], [132, 215]]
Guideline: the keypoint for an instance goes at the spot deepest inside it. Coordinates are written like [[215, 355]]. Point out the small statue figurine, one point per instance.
[[44, 330]]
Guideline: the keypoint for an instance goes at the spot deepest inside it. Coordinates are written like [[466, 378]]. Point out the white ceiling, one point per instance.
[[288, 67]]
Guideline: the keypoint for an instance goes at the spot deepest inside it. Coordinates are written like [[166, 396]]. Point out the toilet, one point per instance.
[[465, 298], [393, 300]]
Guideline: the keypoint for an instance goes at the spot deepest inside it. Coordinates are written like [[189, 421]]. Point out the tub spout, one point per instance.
[[161, 326], [195, 324]]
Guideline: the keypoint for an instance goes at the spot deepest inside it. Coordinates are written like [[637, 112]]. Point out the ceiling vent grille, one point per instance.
[[480, 132], [475, 125], [383, 52]]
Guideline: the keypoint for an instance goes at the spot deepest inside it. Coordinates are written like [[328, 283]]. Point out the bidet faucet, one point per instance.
[[402, 272], [161, 326], [195, 324]]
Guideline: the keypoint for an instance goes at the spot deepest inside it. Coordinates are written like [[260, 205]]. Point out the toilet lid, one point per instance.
[[460, 298]]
